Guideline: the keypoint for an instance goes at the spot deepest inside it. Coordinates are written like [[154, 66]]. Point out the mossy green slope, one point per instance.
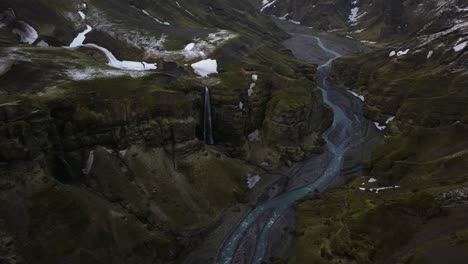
[[421, 98], [348, 225], [152, 204]]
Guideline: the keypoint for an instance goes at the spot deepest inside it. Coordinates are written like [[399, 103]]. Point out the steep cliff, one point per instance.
[[106, 163]]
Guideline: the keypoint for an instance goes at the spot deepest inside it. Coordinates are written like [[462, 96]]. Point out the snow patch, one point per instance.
[[252, 180], [196, 49], [399, 53], [205, 67], [123, 153], [189, 47], [93, 73], [429, 38], [383, 188], [429, 54], [460, 46], [284, 17], [390, 119], [354, 15], [371, 180], [220, 37], [294, 21], [241, 105], [376, 190], [155, 19], [26, 32], [124, 65], [266, 4], [335, 30], [82, 15], [80, 38], [252, 85], [250, 91], [10, 103], [379, 127], [42, 44], [402, 52], [361, 97], [112, 60], [359, 17], [188, 12], [255, 136]]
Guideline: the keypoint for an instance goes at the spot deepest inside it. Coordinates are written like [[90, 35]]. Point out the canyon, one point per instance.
[[197, 131]]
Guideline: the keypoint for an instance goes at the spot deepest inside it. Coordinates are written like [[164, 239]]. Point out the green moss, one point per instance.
[[58, 216], [373, 32], [298, 94], [56, 206], [414, 157], [347, 224], [69, 223], [276, 61], [176, 44], [391, 225], [120, 86], [221, 180]]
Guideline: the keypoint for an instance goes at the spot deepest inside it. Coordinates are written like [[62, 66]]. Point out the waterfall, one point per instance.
[[207, 122]]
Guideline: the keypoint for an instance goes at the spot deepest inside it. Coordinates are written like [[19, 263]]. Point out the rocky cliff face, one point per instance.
[[319, 14], [130, 161], [400, 20], [100, 164], [420, 64]]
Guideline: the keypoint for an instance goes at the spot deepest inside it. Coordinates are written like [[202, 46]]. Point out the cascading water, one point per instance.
[[207, 119], [337, 141]]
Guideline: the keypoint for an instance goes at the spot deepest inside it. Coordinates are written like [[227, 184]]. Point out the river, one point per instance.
[[255, 229]]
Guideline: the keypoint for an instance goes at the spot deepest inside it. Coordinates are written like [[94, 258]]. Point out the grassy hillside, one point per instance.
[[419, 98], [104, 165]]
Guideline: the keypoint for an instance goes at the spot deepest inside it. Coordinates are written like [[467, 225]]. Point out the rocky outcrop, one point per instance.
[[294, 121], [72, 167], [279, 124], [69, 124], [416, 94], [268, 112], [101, 165], [320, 14]]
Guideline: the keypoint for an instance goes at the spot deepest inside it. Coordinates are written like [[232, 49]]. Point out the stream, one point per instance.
[[257, 225]]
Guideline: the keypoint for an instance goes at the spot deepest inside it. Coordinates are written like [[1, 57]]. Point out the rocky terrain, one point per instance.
[[412, 79], [319, 14], [106, 163], [102, 151]]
